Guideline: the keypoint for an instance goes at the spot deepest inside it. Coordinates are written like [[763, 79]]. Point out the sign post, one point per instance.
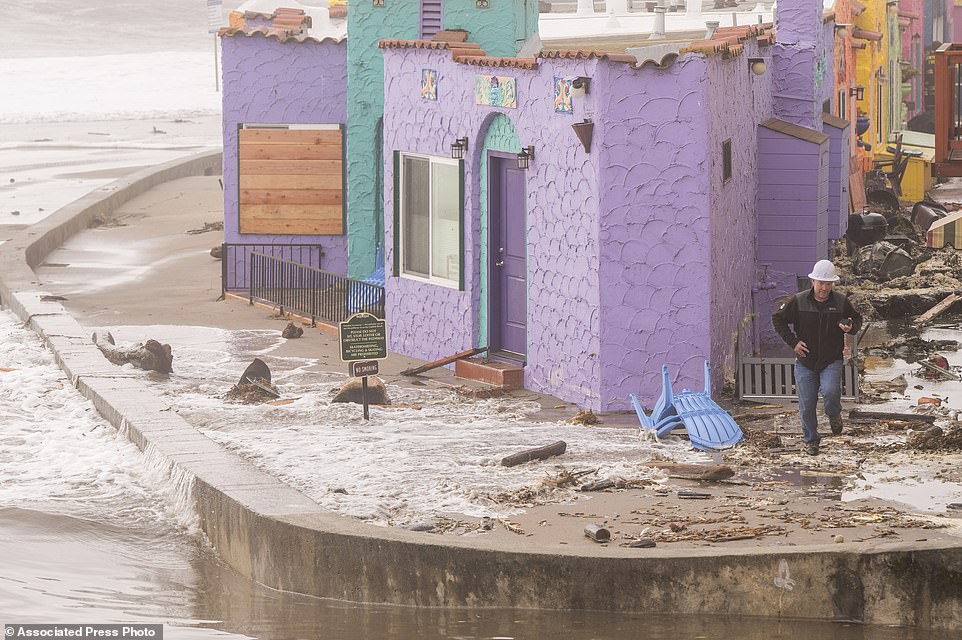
[[215, 15], [363, 339]]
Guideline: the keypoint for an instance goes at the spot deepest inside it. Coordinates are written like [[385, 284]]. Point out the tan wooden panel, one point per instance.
[[290, 196], [292, 211], [289, 136], [319, 181], [256, 222], [291, 167], [290, 152]]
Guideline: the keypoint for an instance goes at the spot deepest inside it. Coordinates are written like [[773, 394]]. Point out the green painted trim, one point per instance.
[[500, 136], [461, 225], [397, 214]]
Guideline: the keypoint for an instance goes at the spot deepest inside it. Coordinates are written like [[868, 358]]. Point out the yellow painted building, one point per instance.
[[870, 26]]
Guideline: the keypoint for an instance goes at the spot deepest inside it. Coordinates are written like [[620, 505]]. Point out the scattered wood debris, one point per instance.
[[585, 417]]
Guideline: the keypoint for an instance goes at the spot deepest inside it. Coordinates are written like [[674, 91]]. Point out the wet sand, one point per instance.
[[142, 268]]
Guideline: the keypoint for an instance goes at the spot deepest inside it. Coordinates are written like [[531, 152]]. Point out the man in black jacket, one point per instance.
[[819, 319]]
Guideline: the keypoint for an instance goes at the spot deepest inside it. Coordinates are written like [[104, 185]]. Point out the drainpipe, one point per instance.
[[586, 7], [658, 33], [712, 26]]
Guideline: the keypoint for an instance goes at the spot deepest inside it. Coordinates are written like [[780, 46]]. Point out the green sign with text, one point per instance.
[[363, 337]]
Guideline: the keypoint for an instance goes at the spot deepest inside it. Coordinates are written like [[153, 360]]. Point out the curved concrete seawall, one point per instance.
[[277, 536]]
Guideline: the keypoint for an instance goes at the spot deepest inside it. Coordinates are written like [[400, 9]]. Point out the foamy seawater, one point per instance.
[[57, 454], [436, 453]]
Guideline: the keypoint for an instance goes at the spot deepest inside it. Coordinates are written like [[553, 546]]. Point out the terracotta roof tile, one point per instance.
[[285, 24], [451, 35], [487, 61], [587, 54], [462, 52], [728, 41]]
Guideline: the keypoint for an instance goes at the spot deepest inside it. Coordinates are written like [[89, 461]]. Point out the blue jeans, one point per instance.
[[808, 384]]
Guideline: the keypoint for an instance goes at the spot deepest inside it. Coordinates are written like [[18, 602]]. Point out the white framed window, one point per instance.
[[429, 216]]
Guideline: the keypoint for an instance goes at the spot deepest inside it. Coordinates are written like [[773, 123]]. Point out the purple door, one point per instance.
[[507, 258]]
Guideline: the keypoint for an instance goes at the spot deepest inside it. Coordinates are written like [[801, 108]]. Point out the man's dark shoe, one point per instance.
[[811, 449], [836, 424]]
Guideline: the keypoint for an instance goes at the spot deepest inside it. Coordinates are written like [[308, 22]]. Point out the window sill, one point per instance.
[[438, 282]]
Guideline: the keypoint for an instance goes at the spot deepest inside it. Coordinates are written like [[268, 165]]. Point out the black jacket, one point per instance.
[[816, 324]]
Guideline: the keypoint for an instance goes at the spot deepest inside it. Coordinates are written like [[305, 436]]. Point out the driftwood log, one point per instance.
[[443, 361], [150, 355], [554, 449], [711, 472], [887, 415]]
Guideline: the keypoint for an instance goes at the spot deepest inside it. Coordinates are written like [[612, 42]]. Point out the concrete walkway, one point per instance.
[[275, 535]]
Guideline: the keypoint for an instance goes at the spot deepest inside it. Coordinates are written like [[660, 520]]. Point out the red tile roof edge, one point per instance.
[[488, 61], [828, 15], [282, 35], [587, 54]]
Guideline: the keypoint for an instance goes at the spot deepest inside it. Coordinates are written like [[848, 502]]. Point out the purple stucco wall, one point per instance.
[[268, 81], [803, 63], [655, 284], [431, 321], [741, 99]]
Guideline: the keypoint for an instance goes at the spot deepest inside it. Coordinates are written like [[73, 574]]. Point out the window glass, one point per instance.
[[445, 217], [416, 220], [430, 218]]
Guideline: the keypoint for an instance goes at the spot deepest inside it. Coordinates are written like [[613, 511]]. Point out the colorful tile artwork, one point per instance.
[[495, 91], [429, 84], [562, 96]]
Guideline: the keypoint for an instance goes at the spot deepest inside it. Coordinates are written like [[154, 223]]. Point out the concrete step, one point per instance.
[[494, 372]]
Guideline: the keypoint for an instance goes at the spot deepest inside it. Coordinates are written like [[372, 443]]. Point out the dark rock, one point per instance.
[[217, 251], [292, 331], [257, 370], [883, 261], [350, 391]]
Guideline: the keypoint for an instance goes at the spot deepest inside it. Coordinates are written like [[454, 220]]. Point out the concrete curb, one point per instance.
[[273, 534]]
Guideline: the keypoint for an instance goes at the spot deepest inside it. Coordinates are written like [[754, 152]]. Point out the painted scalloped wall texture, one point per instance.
[[267, 81], [429, 321], [733, 212], [654, 234]]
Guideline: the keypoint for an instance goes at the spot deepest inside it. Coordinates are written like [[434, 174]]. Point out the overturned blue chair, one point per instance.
[[709, 426]]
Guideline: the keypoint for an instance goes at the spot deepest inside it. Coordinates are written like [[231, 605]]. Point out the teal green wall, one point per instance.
[[500, 29], [501, 136]]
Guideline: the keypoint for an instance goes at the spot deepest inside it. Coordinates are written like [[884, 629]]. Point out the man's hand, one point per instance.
[[845, 325], [801, 349]]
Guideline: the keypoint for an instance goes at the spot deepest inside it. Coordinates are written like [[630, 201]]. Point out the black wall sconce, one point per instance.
[[841, 30], [858, 92], [458, 147], [580, 86], [758, 66], [525, 156]]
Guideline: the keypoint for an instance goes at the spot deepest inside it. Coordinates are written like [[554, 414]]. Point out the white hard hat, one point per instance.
[[824, 271]]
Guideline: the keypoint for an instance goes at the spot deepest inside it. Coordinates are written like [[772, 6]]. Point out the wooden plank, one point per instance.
[[443, 361], [289, 136], [292, 227], [291, 196], [290, 167], [316, 181], [946, 302], [292, 211], [888, 415], [290, 152]]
